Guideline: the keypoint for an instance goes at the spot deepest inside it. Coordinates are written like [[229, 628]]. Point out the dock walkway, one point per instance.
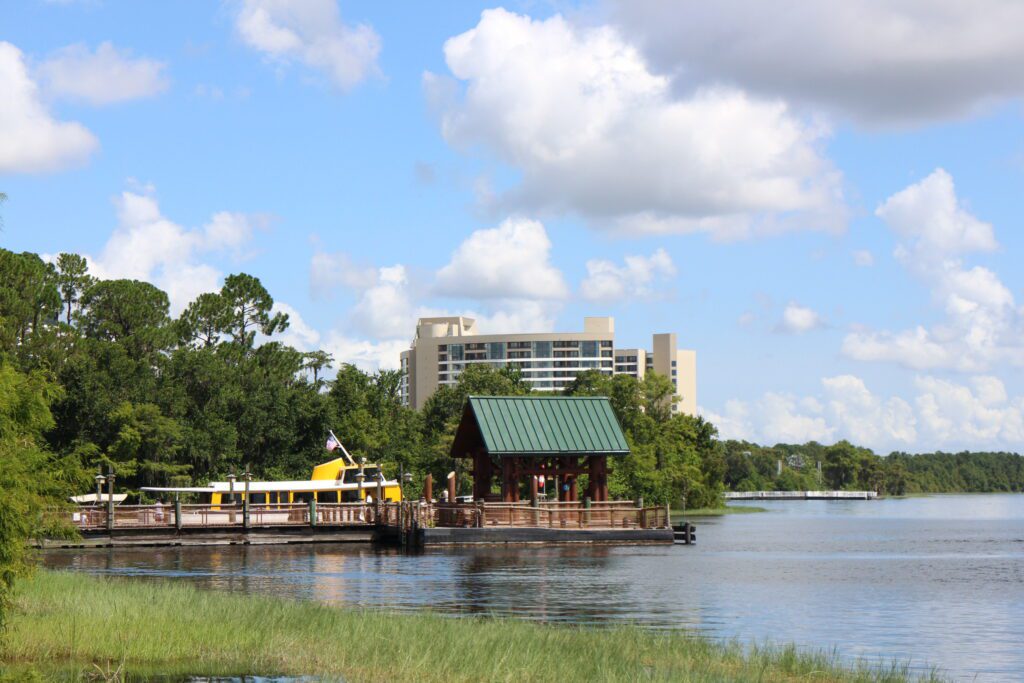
[[413, 523]]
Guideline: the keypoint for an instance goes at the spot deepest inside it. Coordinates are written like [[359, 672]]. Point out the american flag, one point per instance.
[[332, 443]]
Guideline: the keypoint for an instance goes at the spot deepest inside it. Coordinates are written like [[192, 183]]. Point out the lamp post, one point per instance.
[[359, 496], [231, 487], [406, 479], [99, 493], [99, 487]]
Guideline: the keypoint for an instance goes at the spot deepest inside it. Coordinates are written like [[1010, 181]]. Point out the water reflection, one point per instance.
[[936, 580]]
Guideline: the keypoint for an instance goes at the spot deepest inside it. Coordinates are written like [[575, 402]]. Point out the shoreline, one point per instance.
[[66, 622]]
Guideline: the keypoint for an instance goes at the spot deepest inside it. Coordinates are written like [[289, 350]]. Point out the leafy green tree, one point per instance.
[[29, 298], [72, 279], [130, 313], [316, 362], [205, 320], [145, 446], [31, 478], [250, 310]]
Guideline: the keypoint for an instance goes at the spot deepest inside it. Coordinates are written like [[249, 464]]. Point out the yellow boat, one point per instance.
[[335, 481]]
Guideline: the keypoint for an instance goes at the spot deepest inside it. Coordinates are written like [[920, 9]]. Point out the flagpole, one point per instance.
[[341, 446]]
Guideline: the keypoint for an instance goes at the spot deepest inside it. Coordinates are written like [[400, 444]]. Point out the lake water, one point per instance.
[[938, 581]]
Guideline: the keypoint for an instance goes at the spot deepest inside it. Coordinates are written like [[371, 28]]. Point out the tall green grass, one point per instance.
[[74, 622], [717, 512]]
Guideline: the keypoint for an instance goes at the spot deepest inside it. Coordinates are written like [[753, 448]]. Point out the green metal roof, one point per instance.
[[541, 425]]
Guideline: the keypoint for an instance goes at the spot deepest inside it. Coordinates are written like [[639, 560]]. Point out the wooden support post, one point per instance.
[[312, 512], [177, 511], [428, 488], [110, 501], [245, 503], [451, 487], [506, 480], [573, 487]]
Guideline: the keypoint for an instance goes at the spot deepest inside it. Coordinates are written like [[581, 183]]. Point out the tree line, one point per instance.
[[813, 466]]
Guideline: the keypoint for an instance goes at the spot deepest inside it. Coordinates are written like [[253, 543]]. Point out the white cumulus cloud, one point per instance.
[[798, 319], [312, 33], [510, 261], [104, 76], [982, 325], [593, 130], [929, 215], [607, 281], [146, 245], [31, 140], [897, 61]]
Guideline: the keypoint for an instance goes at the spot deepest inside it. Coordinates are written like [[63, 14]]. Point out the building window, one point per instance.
[[606, 343], [589, 349], [497, 350], [542, 349], [456, 352]]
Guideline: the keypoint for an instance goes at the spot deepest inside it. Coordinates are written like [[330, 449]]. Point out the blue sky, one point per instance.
[[718, 172]]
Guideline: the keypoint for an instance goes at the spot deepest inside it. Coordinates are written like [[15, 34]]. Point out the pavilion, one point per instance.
[[516, 439]]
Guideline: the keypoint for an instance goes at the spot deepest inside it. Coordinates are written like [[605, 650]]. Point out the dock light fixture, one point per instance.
[[231, 487], [360, 475], [406, 480], [99, 487]]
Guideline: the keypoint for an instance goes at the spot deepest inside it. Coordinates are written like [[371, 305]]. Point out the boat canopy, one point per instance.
[[87, 498], [271, 486]]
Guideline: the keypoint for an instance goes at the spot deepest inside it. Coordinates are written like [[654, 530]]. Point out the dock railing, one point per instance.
[[560, 515], [95, 518], [405, 516]]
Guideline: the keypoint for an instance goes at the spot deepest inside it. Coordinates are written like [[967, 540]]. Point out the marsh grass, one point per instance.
[[717, 512], [77, 623]]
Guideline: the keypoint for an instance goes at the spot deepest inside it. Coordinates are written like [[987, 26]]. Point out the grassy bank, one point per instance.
[[718, 512], [75, 622]]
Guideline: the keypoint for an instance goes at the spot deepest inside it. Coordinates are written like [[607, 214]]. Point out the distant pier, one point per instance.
[[801, 495]]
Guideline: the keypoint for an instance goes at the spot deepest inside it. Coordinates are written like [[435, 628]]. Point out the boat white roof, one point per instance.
[[270, 486], [104, 497]]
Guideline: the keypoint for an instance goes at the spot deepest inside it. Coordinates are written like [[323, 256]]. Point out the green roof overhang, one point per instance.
[[539, 426]]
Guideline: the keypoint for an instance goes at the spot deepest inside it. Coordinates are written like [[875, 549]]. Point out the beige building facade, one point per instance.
[[549, 361]]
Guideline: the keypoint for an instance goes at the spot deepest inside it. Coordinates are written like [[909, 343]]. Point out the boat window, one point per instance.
[[327, 497], [349, 496], [303, 496], [258, 499]]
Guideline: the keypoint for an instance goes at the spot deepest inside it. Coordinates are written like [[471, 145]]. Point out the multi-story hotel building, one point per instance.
[[443, 347]]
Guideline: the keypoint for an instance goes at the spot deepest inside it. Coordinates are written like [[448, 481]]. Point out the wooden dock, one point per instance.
[[410, 523]]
